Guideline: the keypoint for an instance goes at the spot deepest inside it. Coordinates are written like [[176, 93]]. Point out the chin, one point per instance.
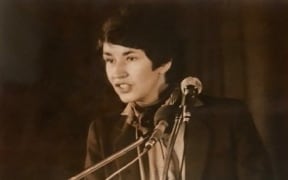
[[126, 99]]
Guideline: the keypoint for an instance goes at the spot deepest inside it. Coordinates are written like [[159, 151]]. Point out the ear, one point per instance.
[[165, 67]]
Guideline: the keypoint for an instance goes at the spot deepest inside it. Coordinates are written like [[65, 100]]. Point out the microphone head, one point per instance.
[[166, 113], [191, 82]]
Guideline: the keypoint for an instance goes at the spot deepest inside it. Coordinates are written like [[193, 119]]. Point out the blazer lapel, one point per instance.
[[197, 140], [126, 137]]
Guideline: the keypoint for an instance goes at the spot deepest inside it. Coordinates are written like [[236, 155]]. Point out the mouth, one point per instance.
[[123, 87]]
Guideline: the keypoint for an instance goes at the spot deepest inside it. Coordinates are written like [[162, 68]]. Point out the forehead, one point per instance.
[[116, 49]]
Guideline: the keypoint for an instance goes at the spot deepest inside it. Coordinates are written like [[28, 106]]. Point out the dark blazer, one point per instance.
[[221, 143]]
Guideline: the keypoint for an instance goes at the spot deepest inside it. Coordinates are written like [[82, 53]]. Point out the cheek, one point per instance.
[[145, 78], [140, 69], [108, 73], [140, 74]]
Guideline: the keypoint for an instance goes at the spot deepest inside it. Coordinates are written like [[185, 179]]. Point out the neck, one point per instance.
[[160, 96]]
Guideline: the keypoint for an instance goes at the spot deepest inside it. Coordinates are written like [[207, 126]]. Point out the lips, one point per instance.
[[123, 87]]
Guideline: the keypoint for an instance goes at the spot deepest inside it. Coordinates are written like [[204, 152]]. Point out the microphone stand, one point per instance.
[[170, 148], [179, 119], [145, 150], [110, 159]]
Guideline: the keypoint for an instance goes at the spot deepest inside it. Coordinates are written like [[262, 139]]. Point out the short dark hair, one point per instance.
[[148, 27]]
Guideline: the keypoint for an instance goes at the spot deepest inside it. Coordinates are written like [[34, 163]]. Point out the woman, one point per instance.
[[140, 50]]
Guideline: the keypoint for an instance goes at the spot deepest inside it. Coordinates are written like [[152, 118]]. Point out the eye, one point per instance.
[[131, 58], [108, 60]]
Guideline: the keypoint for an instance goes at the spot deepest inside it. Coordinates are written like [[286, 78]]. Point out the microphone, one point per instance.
[[162, 120], [190, 86]]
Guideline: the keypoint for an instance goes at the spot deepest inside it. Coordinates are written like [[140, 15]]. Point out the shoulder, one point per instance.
[[103, 130], [105, 122], [223, 104], [221, 101], [229, 111]]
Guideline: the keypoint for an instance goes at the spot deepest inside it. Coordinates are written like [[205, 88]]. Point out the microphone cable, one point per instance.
[[127, 165]]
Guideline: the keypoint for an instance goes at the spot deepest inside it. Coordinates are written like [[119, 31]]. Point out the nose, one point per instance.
[[119, 70]]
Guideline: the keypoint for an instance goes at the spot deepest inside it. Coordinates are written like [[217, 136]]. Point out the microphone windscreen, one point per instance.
[[191, 81]]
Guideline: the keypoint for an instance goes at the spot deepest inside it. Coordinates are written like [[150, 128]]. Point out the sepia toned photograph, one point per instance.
[[143, 90]]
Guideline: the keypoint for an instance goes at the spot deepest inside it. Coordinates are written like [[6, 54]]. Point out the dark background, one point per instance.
[[52, 84]]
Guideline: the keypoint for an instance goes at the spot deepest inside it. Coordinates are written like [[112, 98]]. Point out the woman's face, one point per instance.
[[130, 73]]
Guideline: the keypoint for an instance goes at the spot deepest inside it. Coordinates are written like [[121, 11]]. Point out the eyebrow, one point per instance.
[[128, 52], [124, 54]]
